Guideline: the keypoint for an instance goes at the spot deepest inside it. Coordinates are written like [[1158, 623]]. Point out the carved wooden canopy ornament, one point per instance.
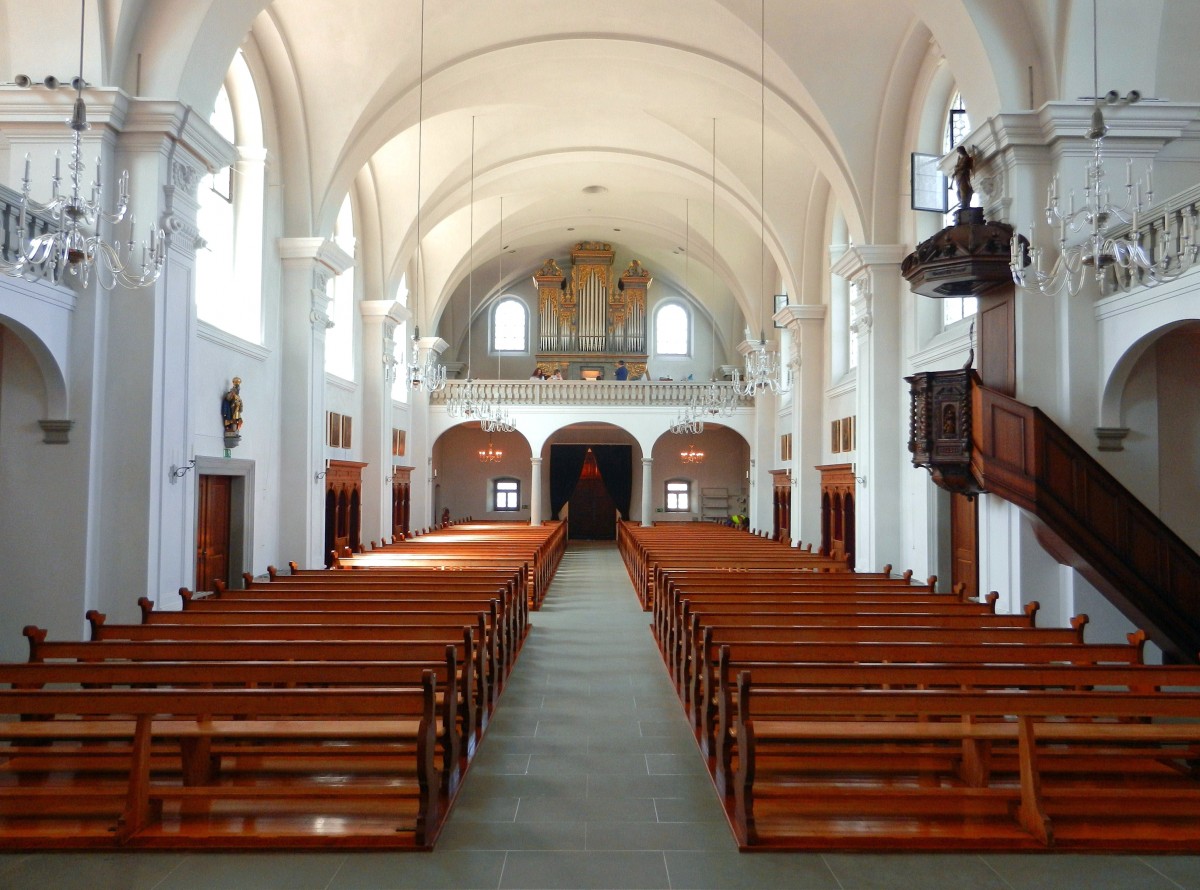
[[966, 259]]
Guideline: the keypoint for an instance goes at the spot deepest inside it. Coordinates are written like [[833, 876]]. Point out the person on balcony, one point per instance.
[[622, 372]]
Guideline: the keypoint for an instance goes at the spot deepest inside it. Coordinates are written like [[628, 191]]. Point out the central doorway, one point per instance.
[[595, 484]]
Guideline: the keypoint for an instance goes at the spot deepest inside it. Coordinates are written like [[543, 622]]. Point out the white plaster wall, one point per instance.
[[463, 482], [220, 358], [345, 398], [1179, 433], [727, 461], [43, 509]]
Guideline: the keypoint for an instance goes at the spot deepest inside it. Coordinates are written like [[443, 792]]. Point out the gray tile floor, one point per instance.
[[589, 778]]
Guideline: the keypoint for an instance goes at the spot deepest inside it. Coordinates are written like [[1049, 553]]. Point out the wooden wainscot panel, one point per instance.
[[1103, 510], [1144, 552], [1059, 473], [1008, 438], [1185, 583]]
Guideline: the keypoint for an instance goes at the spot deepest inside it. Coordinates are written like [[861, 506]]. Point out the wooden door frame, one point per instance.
[[241, 512]]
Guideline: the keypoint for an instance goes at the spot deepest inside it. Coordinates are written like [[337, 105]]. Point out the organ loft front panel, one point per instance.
[[589, 319]]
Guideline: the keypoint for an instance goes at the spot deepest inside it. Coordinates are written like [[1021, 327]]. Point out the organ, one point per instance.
[[589, 319]]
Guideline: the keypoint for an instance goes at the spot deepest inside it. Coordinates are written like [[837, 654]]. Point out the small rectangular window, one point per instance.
[[506, 495], [677, 497]]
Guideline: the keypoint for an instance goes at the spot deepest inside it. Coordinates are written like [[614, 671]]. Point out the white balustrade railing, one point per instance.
[[1167, 230], [649, 394]]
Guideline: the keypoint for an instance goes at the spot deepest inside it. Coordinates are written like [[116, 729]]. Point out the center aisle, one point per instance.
[[589, 777]]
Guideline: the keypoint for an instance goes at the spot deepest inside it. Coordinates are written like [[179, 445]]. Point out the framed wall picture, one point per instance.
[[346, 425], [781, 300], [847, 434], [835, 441], [335, 429], [398, 442]]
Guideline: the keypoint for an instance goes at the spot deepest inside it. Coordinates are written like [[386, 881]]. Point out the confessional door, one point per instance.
[[343, 507], [212, 530], [782, 500], [837, 510]]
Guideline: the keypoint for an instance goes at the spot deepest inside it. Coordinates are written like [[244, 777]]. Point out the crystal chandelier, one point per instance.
[[468, 402], [692, 455], [1171, 255], [427, 375], [491, 454], [762, 372], [686, 424], [71, 244]]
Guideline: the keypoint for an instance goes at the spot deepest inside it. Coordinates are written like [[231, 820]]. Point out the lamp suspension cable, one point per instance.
[[762, 167], [70, 242], [499, 420], [429, 376], [762, 364]]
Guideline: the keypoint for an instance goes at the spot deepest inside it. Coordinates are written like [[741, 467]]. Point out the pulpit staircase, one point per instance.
[[974, 439]]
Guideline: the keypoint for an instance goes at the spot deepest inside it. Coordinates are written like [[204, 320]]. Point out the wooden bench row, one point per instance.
[[189, 767], [342, 713], [845, 716]]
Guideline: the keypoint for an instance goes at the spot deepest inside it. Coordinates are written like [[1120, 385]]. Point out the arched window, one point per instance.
[[672, 330], [339, 341], [958, 127], [510, 326], [230, 214]]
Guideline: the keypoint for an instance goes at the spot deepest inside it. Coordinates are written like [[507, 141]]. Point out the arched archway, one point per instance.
[[1152, 391]]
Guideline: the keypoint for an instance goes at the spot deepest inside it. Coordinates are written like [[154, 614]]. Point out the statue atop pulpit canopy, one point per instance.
[[963, 170]]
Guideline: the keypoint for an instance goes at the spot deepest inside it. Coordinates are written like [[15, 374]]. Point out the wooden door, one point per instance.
[[212, 530], [964, 542]]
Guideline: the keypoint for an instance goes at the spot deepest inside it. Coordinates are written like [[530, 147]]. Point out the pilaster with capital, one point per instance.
[[308, 267], [145, 393], [805, 324], [379, 321], [874, 270]]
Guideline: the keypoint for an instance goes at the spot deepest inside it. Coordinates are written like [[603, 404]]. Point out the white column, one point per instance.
[[308, 264], [647, 492], [535, 491], [880, 458], [379, 320], [806, 324]]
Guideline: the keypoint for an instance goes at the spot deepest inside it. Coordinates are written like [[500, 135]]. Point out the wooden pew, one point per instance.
[[496, 632], [957, 674], [733, 587], [380, 740], [348, 598], [455, 739], [688, 671], [700, 690], [682, 624], [1045, 803], [387, 583], [487, 667], [470, 686]]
